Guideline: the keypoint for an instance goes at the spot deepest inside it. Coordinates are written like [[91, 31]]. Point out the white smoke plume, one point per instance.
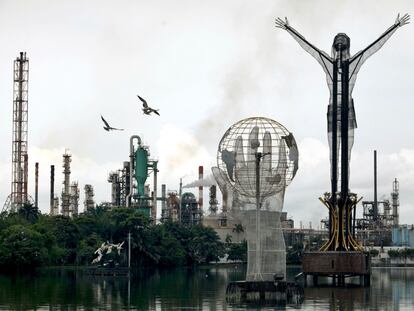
[[205, 182]]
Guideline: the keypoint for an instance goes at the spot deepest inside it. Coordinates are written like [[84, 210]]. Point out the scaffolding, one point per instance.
[[171, 211], [18, 195], [189, 213], [115, 180]]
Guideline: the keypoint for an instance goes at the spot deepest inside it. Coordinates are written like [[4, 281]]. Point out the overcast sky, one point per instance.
[[205, 65]]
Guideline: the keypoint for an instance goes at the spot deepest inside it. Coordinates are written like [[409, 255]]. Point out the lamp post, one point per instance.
[[258, 157]]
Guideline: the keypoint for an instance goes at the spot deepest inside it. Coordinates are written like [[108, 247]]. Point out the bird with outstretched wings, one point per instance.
[[147, 109], [107, 127]]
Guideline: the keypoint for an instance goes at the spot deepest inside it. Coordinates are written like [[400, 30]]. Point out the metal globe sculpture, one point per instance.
[[258, 147], [257, 158]]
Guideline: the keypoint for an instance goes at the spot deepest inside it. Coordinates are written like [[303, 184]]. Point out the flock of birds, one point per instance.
[[145, 109]]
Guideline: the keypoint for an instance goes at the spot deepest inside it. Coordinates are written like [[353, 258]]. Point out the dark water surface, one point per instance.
[[190, 289]]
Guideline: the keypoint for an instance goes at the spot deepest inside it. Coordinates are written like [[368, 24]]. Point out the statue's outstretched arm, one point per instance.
[[319, 55], [361, 56]]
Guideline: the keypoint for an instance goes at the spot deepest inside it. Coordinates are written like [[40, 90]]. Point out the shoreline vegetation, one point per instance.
[[29, 239]]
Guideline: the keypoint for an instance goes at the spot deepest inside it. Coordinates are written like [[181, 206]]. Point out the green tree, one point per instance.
[[162, 248], [205, 245], [22, 248], [87, 248], [29, 212], [66, 234], [237, 251], [393, 253]]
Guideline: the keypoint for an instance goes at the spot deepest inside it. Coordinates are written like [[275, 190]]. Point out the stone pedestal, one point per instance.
[[338, 266]]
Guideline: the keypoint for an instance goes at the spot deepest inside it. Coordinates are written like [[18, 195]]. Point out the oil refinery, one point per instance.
[[129, 186]]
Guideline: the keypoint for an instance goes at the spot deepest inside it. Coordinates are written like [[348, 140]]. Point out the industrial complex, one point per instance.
[[129, 187]]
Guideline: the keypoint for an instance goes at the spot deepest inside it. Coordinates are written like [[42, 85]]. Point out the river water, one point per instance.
[[191, 289]]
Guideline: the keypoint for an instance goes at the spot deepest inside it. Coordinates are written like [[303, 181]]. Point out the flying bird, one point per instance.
[[146, 109], [107, 127]]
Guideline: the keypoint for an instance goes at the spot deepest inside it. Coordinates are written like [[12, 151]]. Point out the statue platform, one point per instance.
[[338, 265]]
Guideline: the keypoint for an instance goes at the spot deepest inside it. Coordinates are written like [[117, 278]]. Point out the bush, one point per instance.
[[237, 251], [394, 253], [374, 252]]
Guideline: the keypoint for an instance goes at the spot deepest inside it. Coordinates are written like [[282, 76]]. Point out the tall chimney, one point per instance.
[[200, 188], [37, 184], [163, 201], [154, 198], [395, 201], [375, 187], [26, 176], [52, 189]]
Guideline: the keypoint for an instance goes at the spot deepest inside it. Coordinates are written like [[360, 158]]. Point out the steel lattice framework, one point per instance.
[[19, 183]]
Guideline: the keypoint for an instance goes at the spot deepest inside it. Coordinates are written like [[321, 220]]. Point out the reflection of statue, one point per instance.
[[257, 159], [107, 248]]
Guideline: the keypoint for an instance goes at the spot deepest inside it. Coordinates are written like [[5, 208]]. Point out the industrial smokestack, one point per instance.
[[52, 189], [26, 177], [163, 201], [200, 188], [36, 184], [154, 198], [375, 187]]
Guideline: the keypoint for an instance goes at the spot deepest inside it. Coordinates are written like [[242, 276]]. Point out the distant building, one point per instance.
[[403, 235]]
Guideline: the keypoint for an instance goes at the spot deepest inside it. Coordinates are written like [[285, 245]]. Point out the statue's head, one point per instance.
[[342, 44]]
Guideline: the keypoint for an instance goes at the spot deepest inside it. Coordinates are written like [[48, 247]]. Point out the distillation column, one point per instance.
[[66, 184], [89, 202], [74, 199], [37, 184], [395, 201], [53, 209]]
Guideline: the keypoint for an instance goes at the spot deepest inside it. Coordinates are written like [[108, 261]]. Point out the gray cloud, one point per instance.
[[206, 66]]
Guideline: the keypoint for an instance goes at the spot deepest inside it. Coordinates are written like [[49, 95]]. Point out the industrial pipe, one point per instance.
[[164, 198], [36, 184], [375, 187], [154, 198], [52, 189], [26, 177], [200, 188]]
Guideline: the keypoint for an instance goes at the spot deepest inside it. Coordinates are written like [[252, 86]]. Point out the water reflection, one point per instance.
[[391, 289], [198, 288]]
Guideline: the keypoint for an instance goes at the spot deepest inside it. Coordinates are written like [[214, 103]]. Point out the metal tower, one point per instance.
[[89, 202], [18, 195], [66, 184], [74, 199], [395, 201]]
